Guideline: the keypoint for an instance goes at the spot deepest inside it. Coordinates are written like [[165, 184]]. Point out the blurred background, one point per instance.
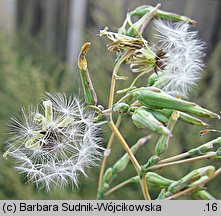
[[39, 44]]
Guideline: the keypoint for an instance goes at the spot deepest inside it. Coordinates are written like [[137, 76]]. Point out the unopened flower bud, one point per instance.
[[163, 141], [158, 181], [190, 178], [121, 108], [202, 195], [152, 161], [122, 163], [183, 117], [144, 119], [154, 180], [138, 27], [108, 175], [142, 10], [153, 78], [156, 98], [205, 148], [159, 116]]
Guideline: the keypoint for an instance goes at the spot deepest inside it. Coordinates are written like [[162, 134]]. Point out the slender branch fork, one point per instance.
[[207, 156], [169, 162], [116, 132], [106, 156]]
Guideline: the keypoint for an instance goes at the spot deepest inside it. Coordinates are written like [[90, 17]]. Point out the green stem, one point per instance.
[[109, 146], [207, 156]]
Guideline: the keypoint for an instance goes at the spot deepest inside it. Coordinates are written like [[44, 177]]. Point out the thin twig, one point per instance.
[[122, 184], [109, 146], [126, 55], [115, 129], [173, 158], [150, 17], [207, 156], [125, 146], [145, 188]]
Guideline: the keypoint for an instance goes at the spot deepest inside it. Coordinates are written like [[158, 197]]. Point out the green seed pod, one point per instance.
[[205, 148], [144, 119], [152, 161], [154, 180], [121, 108], [163, 141], [202, 195], [142, 10], [159, 116], [122, 163], [155, 98], [217, 157], [108, 175], [153, 78], [183, 117], [102, 190], [162, 145], [137, 26], [190, 178], [157, 181]]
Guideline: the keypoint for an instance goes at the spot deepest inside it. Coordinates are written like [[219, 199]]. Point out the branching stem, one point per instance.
[[207, 156], [109, 146]]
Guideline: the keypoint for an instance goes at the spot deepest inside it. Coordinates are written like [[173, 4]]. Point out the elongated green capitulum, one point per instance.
[[108, 175], [153, 78], [122, 163], [190, 178], [202, 195], [89, 92], [137, 26], [154, 180], [182, 117], [212, 145], [142, 10], [152, 161], [144, 119], [153, 97], [159, 116], [163, 142], [121, 108]]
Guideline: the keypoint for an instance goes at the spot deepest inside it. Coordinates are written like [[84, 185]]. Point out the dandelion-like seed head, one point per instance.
[[54, 143], [182, 62]]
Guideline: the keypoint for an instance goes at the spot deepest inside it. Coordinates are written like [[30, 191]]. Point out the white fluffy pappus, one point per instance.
[[54, 146], [182, 63]]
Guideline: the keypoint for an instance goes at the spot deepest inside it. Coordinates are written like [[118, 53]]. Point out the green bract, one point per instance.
[[144, 119]]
